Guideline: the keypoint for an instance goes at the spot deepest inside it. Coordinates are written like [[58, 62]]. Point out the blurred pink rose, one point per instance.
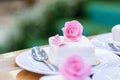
[[72, 30], [74, 68], [57, 41]]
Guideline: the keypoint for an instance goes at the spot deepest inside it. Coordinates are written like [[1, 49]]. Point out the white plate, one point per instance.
[[108, 74], [101, 41], [56, 77], [25, 61]]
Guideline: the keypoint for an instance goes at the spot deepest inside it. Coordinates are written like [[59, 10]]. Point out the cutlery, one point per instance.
[[41, 56], [114, 47], [107, 45]]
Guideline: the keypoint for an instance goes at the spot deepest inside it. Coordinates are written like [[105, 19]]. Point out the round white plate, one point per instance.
[[108, 74], [101, 41], [25, 61], [56, 77]]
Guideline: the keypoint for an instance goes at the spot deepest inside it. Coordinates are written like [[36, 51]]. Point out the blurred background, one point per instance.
[[28, 23]]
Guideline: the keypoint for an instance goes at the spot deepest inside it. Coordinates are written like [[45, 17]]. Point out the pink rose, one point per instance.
[[74, 68], [57, 41], [72, 30]]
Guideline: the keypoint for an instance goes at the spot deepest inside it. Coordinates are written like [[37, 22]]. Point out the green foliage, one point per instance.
[[38, 23], [46, 19]]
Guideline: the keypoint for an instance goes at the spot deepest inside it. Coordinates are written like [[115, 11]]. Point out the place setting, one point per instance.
[[72, 53], [105, 41], [109, 41], [28, 61]]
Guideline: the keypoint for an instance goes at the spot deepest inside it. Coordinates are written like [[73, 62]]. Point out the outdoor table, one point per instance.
[[9, 70]]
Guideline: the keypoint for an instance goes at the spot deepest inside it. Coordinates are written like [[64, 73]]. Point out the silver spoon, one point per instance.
[[41, 56]]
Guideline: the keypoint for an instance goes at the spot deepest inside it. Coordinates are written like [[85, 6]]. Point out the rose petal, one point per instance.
[[57, 41]]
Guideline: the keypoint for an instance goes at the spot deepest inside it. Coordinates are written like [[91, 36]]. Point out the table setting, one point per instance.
[[105, 41], [111, 72], [46, 60], [107, 59], [35, 63], [19, 71]]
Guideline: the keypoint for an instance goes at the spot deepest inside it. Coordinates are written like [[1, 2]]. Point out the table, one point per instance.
[[10, 71]]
